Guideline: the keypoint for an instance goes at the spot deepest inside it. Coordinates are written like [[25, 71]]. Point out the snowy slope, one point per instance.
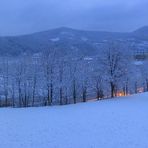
[[118, 123], [67, 40]]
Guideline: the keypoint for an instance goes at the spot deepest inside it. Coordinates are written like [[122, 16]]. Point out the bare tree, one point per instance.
[[49, 65], [114, 66], [99, 87], [61, 72], [73, 72], [5, 78]]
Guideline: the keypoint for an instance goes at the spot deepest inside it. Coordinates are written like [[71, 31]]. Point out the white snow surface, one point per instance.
[[84, 39], [138, 63], [113, 123], [55, 39]]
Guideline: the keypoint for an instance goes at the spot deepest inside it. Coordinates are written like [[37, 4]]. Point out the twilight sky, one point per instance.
[[27, 16]]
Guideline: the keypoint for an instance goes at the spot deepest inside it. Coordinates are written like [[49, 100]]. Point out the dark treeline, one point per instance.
[[45, 79]]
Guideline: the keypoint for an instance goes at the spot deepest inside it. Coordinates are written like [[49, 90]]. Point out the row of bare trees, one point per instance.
[[47, 79]]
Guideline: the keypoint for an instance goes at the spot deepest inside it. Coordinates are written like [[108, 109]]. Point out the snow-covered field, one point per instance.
[[118, 123]]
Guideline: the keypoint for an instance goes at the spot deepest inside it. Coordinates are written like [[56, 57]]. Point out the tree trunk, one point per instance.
[[74, 92], [61, 96], [112, 85]]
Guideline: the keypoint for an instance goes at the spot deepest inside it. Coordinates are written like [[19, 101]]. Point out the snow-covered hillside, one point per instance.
[[66, 40], [115, 123]]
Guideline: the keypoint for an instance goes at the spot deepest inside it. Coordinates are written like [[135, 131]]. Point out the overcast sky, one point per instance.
[[27, 16]]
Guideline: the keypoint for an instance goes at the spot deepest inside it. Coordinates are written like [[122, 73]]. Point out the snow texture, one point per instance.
[[114, 123], [55, 39]]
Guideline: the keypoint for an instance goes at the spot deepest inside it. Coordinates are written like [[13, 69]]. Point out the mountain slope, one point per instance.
[[141, 33], [66, 41]]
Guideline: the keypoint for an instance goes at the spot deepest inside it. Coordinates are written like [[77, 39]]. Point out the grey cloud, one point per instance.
[[21, 17]]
